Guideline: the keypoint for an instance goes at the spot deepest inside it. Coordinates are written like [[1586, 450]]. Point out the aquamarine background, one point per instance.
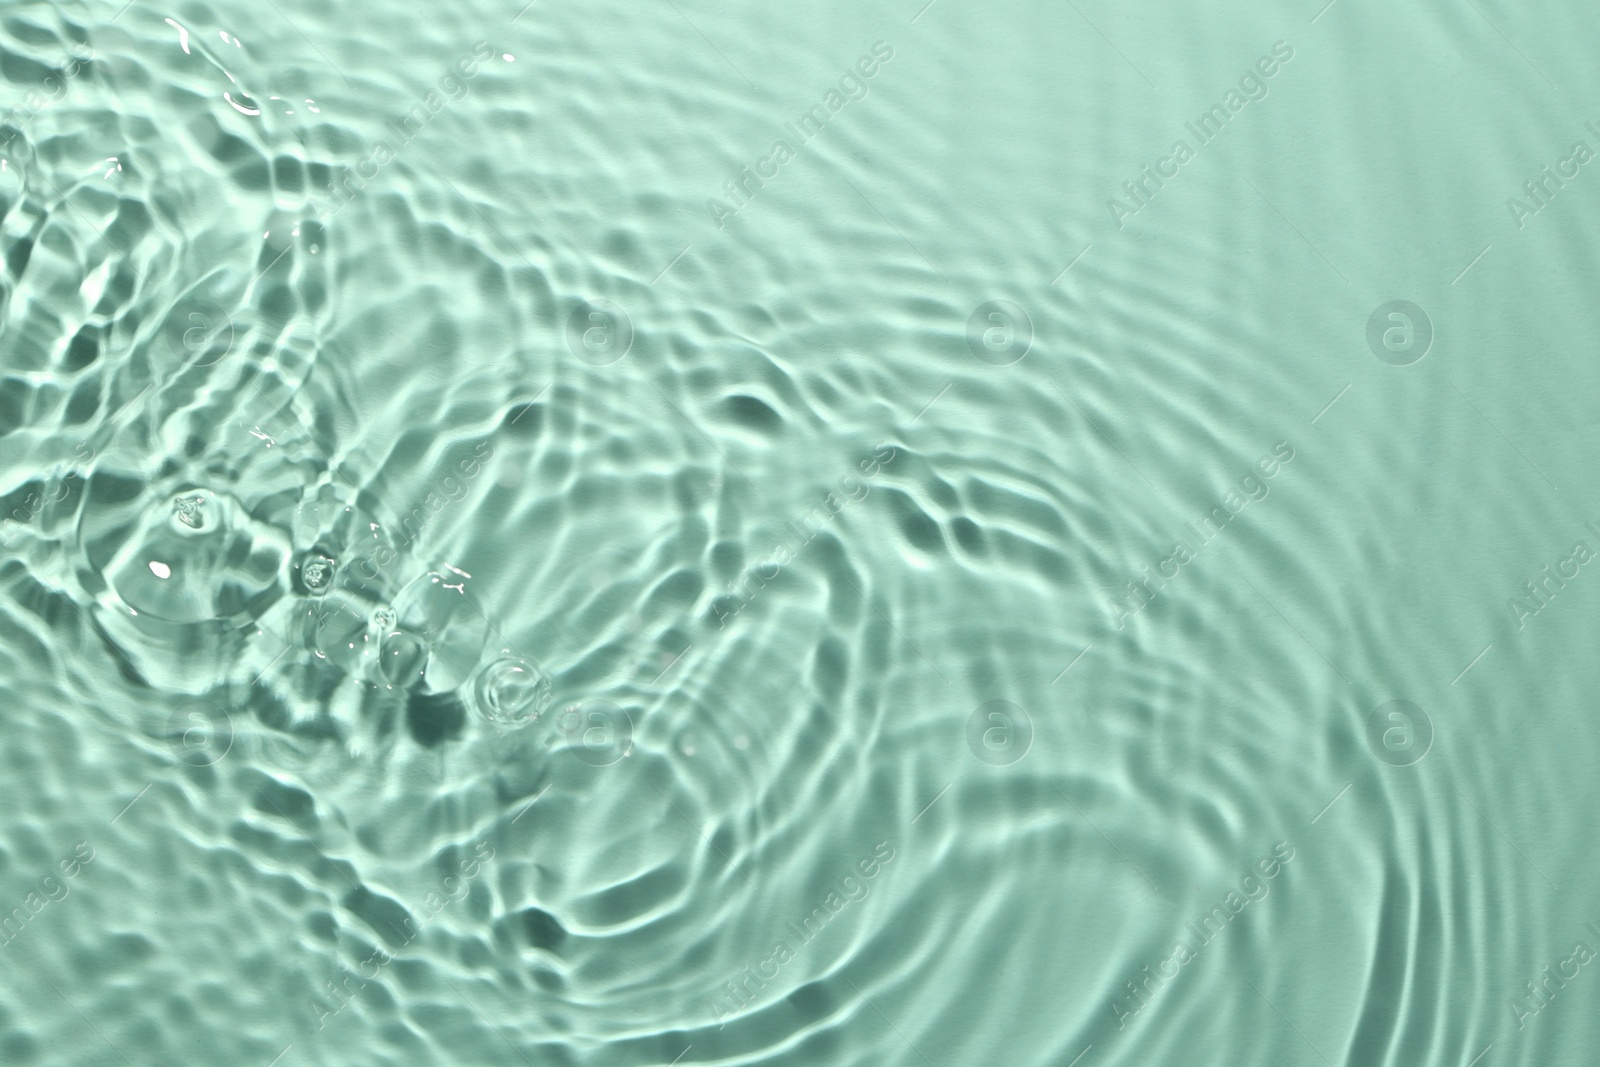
[[766, 661]]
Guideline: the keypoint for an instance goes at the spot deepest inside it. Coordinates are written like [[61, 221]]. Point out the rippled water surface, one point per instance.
[[938, 534]]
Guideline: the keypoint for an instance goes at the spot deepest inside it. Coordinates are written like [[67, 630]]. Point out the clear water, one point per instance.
[[897, 534]]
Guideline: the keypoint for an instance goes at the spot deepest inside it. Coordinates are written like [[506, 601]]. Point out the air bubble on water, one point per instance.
[[186, 509], [454, 629], [402, 658], [316, 573], [512, 691], [185, 583], [334, 628]]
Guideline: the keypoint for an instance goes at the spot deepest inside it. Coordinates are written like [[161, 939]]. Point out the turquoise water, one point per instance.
[[912, 534]]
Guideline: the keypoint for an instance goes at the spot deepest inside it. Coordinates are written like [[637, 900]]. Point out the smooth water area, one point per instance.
[[929, 533]]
